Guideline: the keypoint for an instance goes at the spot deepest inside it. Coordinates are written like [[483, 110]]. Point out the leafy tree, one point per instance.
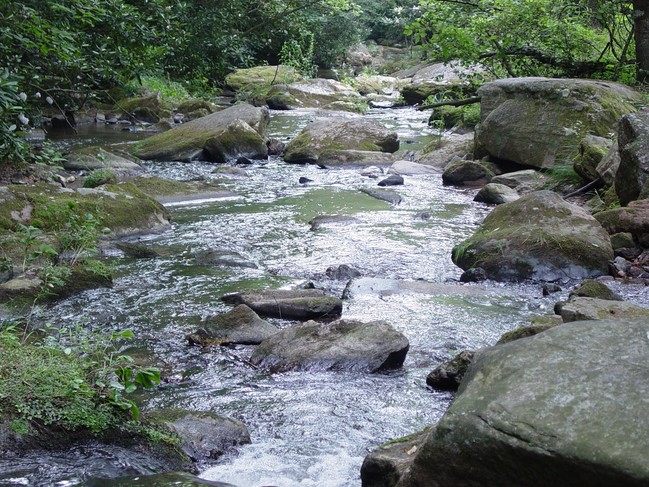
[[532, 37]]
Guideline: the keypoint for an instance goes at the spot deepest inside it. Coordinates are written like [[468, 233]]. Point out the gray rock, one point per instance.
[[539, 237], [496, 194], [633, 141], [440, 153], [448, 376], [392, 180], [171, 479], [590, 288], [340, 345], [340, 134], [592, 150], [538, 121], [383, 194], [23, 285], [409, 168], [342, 272], [633, 219], [222, 258], [324, 221], [351, 157], [240, 325], [460, 171], [564, 407], [474, 274], [95, 157], [386, 465], [435, 78], [583, 308], [203, 434], [298, 304], [622, 240], [187, 141], [524, 181], [314, 93], [607, 168], [237, 140]]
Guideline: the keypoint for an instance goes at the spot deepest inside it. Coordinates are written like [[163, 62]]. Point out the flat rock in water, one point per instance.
[[565, 407], [240, 325], [324, 221], [383, 195], [298, 304], [339, 345], [364, 286], [581, 308], [222, 258]]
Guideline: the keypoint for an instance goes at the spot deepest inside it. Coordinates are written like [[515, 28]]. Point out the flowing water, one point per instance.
[[307, 428]]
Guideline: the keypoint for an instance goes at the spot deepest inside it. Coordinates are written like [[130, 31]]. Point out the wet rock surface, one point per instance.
[[239, 325]]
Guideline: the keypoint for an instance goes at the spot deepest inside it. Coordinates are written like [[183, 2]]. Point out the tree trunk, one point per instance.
[[641, 23]]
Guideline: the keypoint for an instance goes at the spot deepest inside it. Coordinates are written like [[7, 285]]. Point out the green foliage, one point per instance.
[[71, 379], [99, 177], [530, 37], [299, 54], [12, 148]]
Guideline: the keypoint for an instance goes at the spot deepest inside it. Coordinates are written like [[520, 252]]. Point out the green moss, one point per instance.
[[99, 177]]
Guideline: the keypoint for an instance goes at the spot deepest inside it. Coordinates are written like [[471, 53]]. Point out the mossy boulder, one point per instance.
[[432, 79], [351, 157], [633, 219], [584, 308], [632, 177], [448, 376], [238, 140], [463, 172], [315, 93], [440, 152], [591, 288], [99, 177], [566, 406], [381, 85], [540, 122], [146, 105], [524, 181], [496, 194], [187, 141], [261, 76], [341, 345], [193, 105], [95, 157], [592, 151], [340, 134], [172, 191], [539, 237]]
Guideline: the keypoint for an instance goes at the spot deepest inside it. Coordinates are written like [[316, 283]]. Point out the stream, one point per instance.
[[308, 429]]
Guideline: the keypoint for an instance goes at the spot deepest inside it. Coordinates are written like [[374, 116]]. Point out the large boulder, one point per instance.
[[314, 93], [440, 152], [565, 407], [188, 141], [340, 134], [436, 78], [95, 157], [463, 172], [592, 150], [633, 219], [496, 194], [539, 122], [524, 181], [240, 325], [238, 140], [583, 308], [351, 157], [631, 179], [260, 76], [539, 237], [339, 345], [297, 304]]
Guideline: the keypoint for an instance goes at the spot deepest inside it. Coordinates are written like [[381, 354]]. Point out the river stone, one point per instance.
[[240, 325], [381, 85], [342, 272], [340, 134], [531, 330], [460, 171], [325, 221], [260, 76], [388, 195], [565, 407], [583, 308], [222, 258], [238, 140], [95, 157], [172, 479], [633, 219], [448, 376], [440, 153], [23, 285], [350, 157], [633, 141], [524, 181], [435, 78], [384, 466], [539, 237], [538, 122], [409, 168], [591, 288], [339, 345], [314, 93], [392, 180], [592, 151], [203, 434], [298, 304], [496, 194], [187, 141]]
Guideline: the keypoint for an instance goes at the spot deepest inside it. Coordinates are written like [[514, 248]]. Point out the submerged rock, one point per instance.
[[222, 258], [240, 325], [539, 237], [324, 221], [340, 134], [298, 304], [383, 195], [339, 345], [539, 121], [564, 407]]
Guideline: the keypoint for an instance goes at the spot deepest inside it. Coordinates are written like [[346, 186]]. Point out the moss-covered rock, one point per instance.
[[591, 288], [632, 177], [433, 79], [261, 76], [460, 171], [592, 150], [539, 237], [239, 325], [584, 308], [99, 177], [238, 140], [335, 134], [539, 122], [527, 331], [496, 194], [633, 219], [448, 376], [186, 142], [95, 157], [315, 93], [194, 104]]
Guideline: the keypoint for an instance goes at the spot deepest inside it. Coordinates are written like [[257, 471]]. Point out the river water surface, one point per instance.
[[308, 428]]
